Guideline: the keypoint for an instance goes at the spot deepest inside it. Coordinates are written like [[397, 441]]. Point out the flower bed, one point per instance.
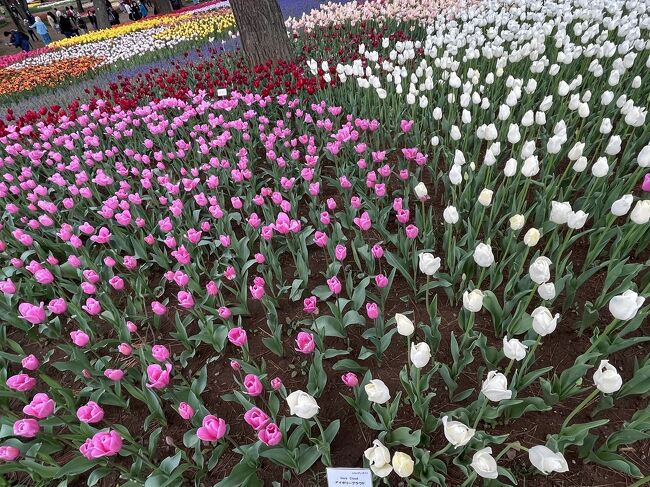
[[424, 253]]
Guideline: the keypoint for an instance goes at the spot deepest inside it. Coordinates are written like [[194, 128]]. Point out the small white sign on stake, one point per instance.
[[349, 477]]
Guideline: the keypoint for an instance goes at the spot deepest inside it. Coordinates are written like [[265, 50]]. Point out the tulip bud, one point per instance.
[[531, 237]]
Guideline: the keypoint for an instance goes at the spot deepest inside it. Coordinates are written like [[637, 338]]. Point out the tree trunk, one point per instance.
[[162, 6], [80, 6], [101, 13], [261, 30], [14, 14]]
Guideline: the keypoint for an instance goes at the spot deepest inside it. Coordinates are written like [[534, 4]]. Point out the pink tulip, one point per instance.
[[350, 379], [335, 285], [92, 307], [158, 378], [79, 338], [237, 336], [224, 312], [7, 287], [114, 374], [406, 126], [257, 291], [90, 413], [40, 407], [116, 283], [645, 185], [340, 252], [9, 453], [102, 444], [212, 429], [253, 385], [158, 308], [27, 428], [256, 418], [377, 251], [43, 276], [276, 383], [30, 362], [211, 288], [259, 258], [320, 239], [91, 276], [270, 435], [185, 410], [160, 353], [57, 306], [412, 231], [234, 365], [21, 382], [372, 310], [31, 313], [125, 349], [381, 281], [309, 305], [305, 342], [185, 299], [363, 222]]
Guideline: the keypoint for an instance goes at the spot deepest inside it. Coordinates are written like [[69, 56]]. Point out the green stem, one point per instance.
[[480, 412], [580, 407], [600, 338], [645, 480]]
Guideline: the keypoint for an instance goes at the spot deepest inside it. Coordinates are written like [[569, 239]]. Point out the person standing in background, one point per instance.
[[51, 18], [92, 18], [144, 11], [41, 30]]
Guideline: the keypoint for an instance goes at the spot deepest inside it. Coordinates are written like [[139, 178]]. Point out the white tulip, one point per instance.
[[530, 167], [544, 323], [459, 158], [379, 459], [580, 164], [546, 460], [377, 391], [483, 255], [531, 237], [456, 432], [560, 212], [577, 219], [540, 270], [622, 205], [450, 215], [302, 405], [607, 378], [576, 151], [484, 464], [473, 301], [495, 387], [420, 354], [641, 212], [454, 132], [625, 306], [514, 135], [514, 349], [600, 167], [455, 175], [403, 464], [510, 168], [517, 222], [605, 126], [404, 325], [643, 159], [421, 191], [546, 291], [485, 198], [429, 264]]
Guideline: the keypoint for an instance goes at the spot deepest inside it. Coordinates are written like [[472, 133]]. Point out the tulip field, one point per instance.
[[422, 247]]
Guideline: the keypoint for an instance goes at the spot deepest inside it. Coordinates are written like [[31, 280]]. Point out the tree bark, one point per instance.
[[101, 13], [162, 6], [261, 30], [14, 13], [80, 6]]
